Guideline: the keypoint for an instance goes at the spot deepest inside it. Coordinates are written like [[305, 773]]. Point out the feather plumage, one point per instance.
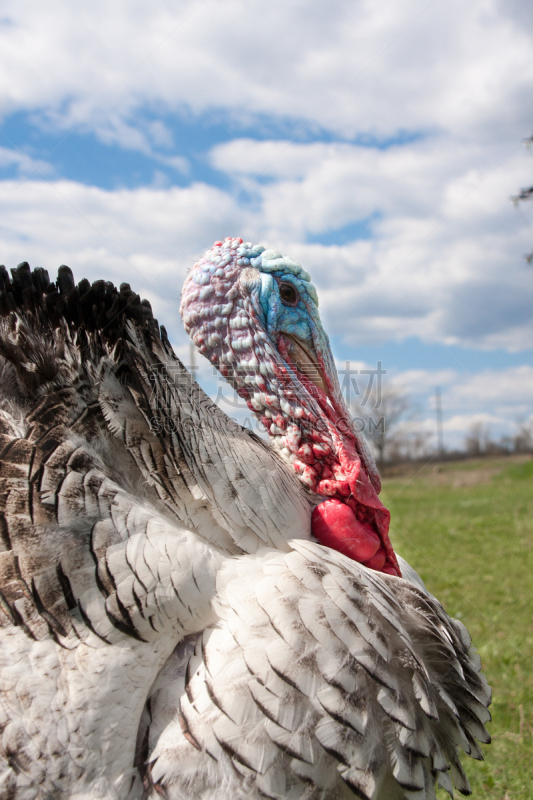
[[167, 625]]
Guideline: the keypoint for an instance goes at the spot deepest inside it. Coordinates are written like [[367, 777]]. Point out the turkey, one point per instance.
[[186, 610]]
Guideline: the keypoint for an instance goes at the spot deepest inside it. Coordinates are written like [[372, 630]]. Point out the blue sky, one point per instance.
[[378, 144]]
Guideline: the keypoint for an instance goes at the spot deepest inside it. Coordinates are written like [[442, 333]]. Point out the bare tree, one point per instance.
[[381, 417], [525, 194], [523, 438], [409, 442], [477, 440]]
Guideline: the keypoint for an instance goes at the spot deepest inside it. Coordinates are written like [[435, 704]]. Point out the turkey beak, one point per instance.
[[306, 361]]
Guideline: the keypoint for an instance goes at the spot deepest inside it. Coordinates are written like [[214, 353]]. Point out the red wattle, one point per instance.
[[342, 530], [365, 494], [334, 524], [377, 561]]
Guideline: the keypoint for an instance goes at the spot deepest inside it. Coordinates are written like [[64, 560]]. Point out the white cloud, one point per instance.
[[461, 423], [444, 258], [499, 400], [23, 163], [348, 66], [494, 389], [444, 262], [147, 237], [503, 389], [421, 381]]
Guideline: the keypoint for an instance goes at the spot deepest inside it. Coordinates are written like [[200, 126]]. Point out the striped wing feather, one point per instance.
[[110, 536], [322, 677]]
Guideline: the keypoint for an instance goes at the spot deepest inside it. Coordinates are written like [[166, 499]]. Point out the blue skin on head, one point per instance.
[[300, 320]]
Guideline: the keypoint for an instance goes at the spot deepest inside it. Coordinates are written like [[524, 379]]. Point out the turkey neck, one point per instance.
[[288, 383]]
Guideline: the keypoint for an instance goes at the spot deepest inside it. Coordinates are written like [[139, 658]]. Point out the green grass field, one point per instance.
[[467, 528]]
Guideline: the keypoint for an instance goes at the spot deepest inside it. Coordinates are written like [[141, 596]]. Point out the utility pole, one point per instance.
[[438, 411]]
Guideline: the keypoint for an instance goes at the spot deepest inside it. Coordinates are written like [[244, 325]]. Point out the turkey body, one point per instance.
[[168, 627]]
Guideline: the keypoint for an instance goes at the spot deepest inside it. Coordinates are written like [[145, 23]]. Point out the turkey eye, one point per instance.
[[289, 295]]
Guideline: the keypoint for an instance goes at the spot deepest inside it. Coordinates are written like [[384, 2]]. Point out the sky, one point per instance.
[[377, 143]]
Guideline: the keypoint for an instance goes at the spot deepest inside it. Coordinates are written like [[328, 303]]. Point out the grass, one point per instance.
[[467, 528]]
